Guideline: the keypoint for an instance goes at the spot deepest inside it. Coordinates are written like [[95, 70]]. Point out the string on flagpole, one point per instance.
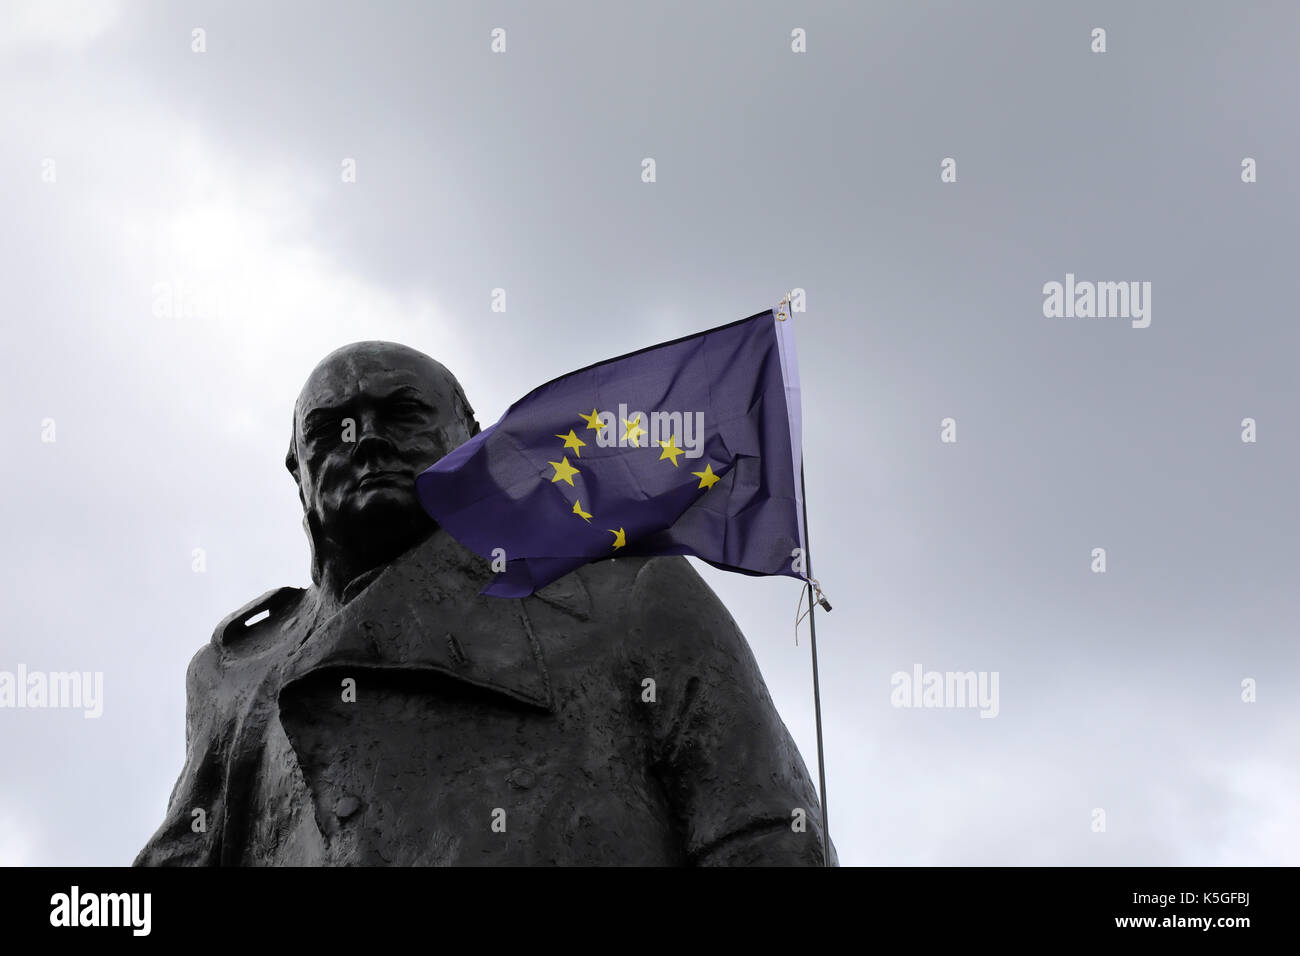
[[819, 597], [798, 618]]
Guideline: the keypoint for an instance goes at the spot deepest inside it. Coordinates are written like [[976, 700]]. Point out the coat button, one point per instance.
[[346, 806], [521, 779]]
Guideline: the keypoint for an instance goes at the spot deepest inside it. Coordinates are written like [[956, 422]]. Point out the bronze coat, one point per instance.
[[487, 731]]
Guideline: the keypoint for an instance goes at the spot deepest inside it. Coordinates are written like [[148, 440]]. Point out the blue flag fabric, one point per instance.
[[689, 447]]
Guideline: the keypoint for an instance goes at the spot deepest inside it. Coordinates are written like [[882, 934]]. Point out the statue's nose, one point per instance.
[[372, 437]]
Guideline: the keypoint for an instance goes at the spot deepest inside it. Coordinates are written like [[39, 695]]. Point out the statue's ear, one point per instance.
[[465, 411]]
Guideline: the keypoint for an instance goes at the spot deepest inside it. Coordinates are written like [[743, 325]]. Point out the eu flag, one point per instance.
[[689, 447]]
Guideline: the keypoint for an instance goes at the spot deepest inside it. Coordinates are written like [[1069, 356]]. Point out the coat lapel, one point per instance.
[[424, 613]]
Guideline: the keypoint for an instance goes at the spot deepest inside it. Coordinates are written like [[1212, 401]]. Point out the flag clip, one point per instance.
[[821, 598]]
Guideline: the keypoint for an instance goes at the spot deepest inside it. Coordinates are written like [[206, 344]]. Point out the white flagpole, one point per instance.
[[817, 694]]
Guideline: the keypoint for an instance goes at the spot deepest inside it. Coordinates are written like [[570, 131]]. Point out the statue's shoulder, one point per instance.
[[263, 619], [211, 685], [620, 573], [672, 580], [245, 632], [664, 589]]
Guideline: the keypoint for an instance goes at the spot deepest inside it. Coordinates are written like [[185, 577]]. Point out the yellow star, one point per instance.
[[619, 538], [670, 449], [563, 471], [633, 429], [573, 441], [592, 420], [707, 478], [584, 515]]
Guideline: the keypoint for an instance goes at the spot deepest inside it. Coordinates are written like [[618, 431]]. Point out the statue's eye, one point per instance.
[[327, 426], [322, 428]]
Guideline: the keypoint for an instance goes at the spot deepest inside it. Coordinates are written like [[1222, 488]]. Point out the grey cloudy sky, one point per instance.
[[219, 173]]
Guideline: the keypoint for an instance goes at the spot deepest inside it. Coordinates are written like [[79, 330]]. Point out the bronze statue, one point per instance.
[[389, 714]]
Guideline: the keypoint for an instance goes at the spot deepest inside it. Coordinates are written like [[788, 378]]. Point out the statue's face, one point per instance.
[[371, 417]]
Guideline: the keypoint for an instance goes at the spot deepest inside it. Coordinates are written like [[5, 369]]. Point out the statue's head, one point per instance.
[[372, 416]]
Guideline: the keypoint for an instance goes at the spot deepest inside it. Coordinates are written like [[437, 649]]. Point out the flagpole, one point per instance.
[[817, 694]]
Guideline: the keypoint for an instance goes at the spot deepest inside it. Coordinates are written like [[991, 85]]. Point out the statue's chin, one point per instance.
[[382, 525]]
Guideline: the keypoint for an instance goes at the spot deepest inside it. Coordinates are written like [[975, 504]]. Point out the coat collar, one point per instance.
[[423, 613]]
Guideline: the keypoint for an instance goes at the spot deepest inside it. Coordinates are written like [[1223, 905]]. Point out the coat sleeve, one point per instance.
[[737, 784], [187, 838]]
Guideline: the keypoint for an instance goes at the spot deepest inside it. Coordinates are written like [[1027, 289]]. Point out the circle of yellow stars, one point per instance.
[[631, 431]]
